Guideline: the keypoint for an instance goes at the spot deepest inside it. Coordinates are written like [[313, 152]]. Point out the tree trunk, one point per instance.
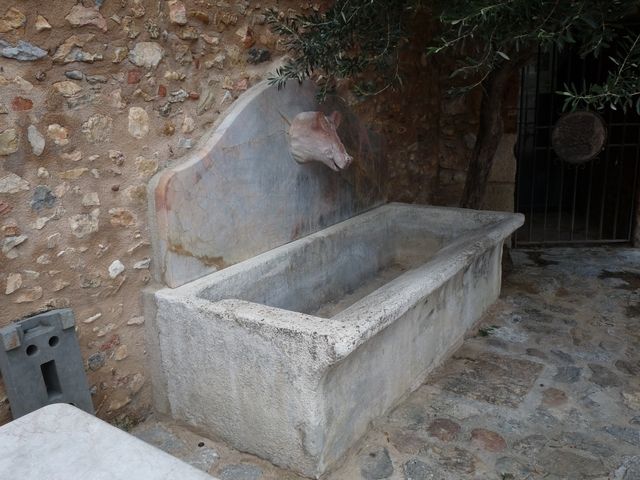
[[489, 135], [491, 127]]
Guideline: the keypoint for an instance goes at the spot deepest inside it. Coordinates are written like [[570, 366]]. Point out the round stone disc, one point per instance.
[[578, 137]]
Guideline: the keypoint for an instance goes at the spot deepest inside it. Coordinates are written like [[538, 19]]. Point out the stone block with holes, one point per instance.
[[41, 363]]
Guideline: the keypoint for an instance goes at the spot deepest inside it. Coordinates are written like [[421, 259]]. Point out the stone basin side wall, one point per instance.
[[123, 91]]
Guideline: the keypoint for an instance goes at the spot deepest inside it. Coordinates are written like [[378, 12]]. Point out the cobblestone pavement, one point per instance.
[[548, 387]]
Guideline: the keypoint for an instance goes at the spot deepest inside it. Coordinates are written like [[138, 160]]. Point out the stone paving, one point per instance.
[[548, 387]]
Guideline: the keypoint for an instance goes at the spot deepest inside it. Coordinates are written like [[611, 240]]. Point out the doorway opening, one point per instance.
[[593, 202]]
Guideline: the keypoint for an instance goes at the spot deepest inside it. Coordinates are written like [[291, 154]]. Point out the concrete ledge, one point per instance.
[[61, 442]]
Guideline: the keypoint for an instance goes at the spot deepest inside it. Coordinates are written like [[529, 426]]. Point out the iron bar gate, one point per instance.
[[565, 203]]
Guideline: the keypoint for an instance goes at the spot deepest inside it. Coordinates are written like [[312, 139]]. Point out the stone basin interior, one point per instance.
[[332, 270]]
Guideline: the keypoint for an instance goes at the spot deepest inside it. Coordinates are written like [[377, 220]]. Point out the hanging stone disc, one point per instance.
[[579, 137]]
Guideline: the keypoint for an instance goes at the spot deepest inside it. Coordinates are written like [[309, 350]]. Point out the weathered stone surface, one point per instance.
[[73, 174], [119, 54], [204, 458], [42, 198], [8, 141], [14, 282], [136, 321], [85, 223], [118, 400], [568, 374], [5, 208], [121, 353], [513, 468], [122, 217], [91, 199], [12, 19], [629, 470], [28, 295], [81, 16], [417, 470], [177, 12], [569, 465], [492, 378], [71, 50], [21, 104], [10, 243], [530, 445], [42, 24], [603, 376], [628, 368], [13, 183], [138, 122], [240, 472], [116, 268], [488, 440], [457, 460], [67, 88], [146, 167], [22, 51], [96, 360], [562, 356], [585, 442], [376, 465], [444, 429], [146, 54], [626, 434], [142, 264], [632, 399], [98, 128], [58, 133], [553, 397], [36, 140]]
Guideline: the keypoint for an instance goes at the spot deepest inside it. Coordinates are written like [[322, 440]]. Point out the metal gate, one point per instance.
[[565, 203]]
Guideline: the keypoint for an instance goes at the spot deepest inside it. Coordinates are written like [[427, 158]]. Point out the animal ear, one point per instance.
[[336, 118], [316, 124]]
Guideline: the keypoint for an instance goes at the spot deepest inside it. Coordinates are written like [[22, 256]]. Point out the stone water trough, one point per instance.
[[292, 350]]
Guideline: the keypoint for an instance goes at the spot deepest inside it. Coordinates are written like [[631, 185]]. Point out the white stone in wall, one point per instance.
[[91, 199], [36, 140], [14, 282], [42, 24], [8, 141], [85, 223], [116, 268], [58, 134], [12, 183], [146, 54], [138, 122]]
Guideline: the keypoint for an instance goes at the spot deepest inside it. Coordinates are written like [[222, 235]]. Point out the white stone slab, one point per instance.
[[61, 442]]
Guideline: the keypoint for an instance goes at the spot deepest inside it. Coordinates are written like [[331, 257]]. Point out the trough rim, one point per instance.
[[377, 310]]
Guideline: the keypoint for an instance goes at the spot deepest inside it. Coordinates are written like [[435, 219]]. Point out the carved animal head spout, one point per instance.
[[313, 138]]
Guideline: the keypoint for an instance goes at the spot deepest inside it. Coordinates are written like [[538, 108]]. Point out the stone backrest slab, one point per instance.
[[241, 193]]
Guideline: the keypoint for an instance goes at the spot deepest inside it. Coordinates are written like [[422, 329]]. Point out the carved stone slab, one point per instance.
[[579, 137], [241, 193]]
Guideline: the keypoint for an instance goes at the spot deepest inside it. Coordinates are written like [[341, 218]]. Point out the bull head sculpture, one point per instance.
[[313, 138]]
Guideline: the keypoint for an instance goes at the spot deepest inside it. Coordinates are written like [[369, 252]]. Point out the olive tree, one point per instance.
[[490, 41]]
